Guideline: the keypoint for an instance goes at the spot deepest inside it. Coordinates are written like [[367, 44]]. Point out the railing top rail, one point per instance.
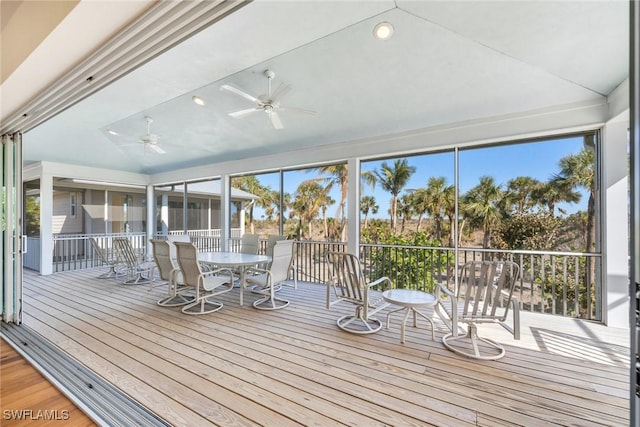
[[86, 236], [490, 250]]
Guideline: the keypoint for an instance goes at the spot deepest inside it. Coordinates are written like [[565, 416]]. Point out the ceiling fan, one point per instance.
[[269, 103], [150, 140]]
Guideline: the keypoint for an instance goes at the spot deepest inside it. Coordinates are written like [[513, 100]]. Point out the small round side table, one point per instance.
[[409, 300]]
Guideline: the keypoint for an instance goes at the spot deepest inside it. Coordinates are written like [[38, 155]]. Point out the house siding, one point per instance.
[[63, 221]]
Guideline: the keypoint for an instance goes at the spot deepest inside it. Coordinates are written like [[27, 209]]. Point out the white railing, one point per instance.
[[560, 283]]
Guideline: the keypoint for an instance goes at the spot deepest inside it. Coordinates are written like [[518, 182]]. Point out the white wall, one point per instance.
[[615, 221]]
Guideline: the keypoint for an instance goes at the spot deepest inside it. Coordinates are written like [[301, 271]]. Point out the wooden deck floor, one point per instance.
[[29, 399], [242, 367]]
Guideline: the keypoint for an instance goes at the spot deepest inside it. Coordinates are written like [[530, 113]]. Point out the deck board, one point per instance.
[[241, 366], [24, 390]]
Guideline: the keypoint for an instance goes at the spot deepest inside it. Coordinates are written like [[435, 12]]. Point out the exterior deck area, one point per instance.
[[242, 366]]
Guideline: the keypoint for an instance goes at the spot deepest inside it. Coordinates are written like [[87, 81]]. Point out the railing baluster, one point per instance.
[[553, 285], [576, 293], [565, 276]]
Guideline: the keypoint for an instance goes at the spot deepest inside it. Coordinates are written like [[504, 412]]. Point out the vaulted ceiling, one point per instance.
[[446, 63]]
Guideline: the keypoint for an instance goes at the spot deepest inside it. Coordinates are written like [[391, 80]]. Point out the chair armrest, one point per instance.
[[218, 271], [445, 290], [256, 270], [380, 281]]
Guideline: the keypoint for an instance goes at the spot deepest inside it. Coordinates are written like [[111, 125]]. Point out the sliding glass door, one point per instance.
[[11, 248]]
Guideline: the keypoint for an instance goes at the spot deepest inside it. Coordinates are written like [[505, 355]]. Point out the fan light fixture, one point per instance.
[[383, 31], [198, 100]]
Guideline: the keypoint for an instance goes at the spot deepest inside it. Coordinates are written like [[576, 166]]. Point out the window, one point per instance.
[[73, 204]]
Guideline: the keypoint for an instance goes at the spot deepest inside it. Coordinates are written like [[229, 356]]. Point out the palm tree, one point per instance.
[[337, 175], [405, 209], [556, 191], [393, 179], [252, 185], [435, 202], [368, 205], [482, 207], [521, 191], [309, 199], [578, 170], [419, 202], [449, 209]]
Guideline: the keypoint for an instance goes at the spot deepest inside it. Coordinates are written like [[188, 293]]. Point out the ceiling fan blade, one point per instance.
[[240, 92], [297, 110], [156, 148], [275, 120], [281, 92], [241, 113]]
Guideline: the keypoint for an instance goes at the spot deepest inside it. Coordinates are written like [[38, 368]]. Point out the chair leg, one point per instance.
[[174, 301], [138, 279], [357, 324], [176, 297], [109, 274], [473, 339], [270, 301], [516, 318], [202, 306]]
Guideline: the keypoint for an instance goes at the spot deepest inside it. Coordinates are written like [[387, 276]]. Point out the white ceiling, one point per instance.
[[447, 62]]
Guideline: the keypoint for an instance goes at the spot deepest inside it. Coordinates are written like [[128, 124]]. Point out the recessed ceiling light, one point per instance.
[[198, 100], [383, 31], [112, 132]]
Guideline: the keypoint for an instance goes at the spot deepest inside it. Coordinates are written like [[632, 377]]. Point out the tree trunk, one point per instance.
[[589, 271], [394, 204], [251, 225]]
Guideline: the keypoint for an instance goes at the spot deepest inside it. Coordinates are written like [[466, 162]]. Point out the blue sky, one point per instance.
[[539, 160]]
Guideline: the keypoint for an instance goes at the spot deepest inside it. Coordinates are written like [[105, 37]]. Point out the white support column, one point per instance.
[[241, 218], [225, 211], [615, 253], [353, 207], [209, 217], [107, 224], [46, 224], [151, 218], [164, 214], [86, 218]]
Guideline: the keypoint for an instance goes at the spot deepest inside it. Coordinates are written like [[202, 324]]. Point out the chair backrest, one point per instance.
[[484, 287], [99, 251], [188, 262], [271, 241], [250, 244], [162, 257], [347, 277], [125, 251], [172, 238], [281, 261]]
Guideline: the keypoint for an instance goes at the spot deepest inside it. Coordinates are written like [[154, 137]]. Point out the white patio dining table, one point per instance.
[[236, 260]]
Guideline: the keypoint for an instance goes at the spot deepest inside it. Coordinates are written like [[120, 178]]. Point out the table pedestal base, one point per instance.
[[415, 323]]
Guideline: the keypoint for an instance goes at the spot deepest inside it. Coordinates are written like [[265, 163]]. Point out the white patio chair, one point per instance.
[[271, 242], [266, 282], [138, 270], [484, 294], [349, 284], [250, 244], [206, 284], [112, 262], [172, 238], [170, 273]]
